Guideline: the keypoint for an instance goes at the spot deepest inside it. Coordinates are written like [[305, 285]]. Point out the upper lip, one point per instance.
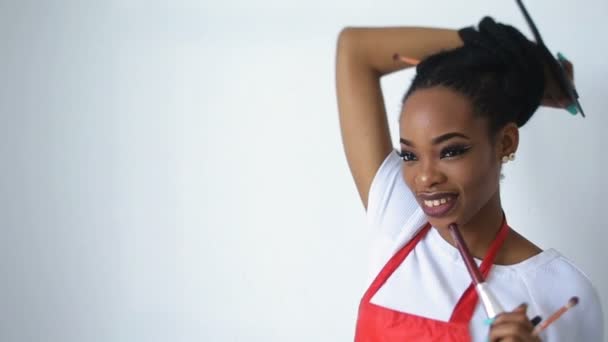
[[428, 196]]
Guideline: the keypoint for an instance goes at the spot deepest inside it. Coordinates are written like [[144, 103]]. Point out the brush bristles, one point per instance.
[[572, 302]]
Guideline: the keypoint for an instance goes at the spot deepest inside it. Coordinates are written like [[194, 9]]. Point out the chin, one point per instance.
[[442, 222], [455, 215]]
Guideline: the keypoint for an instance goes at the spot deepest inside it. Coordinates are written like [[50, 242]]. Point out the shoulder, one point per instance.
[[561, 275], [393, 214], [551, 284], [391, 203]]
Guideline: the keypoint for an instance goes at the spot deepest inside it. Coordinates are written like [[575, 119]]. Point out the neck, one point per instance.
[[481, 229]]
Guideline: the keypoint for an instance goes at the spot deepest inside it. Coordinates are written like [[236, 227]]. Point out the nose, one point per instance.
[[429, 176]]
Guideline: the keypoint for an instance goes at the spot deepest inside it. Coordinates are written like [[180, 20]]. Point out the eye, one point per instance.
[[406, 156], [454, 151]]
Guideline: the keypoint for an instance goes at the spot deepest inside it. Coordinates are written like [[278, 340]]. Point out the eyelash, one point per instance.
[[405, 154], [455, 150], [448, 152]]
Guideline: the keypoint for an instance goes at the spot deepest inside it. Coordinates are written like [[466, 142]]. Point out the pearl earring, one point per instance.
[[505, 159]]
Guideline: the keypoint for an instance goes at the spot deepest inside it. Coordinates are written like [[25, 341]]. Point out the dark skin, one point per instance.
[[469, 166], [473, 174], [513, 326], [364, 55]]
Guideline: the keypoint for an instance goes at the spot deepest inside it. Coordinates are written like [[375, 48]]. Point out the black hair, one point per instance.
[[497, 68]]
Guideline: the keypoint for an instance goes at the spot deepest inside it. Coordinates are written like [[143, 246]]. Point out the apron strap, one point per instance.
[[394, 262], [463, 312]]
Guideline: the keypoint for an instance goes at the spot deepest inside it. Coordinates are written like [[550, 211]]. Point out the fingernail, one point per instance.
[[572, 109], [535, 320], [489, 321], [561, 57]]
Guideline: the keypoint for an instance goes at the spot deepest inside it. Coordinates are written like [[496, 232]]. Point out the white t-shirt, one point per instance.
[[433, 277]]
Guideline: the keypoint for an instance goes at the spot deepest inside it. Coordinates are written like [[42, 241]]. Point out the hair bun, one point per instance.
[[504, 47]]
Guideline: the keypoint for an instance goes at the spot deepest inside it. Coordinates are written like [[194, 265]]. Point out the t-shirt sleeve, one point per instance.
[[583, 322], [392, 209]]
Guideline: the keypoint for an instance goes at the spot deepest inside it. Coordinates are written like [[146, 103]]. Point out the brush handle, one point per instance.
[[539, 328], [466, 255], [489, 301]]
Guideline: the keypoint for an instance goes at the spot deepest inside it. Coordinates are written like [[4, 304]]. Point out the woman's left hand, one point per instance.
[[513, 326], [553, 96]]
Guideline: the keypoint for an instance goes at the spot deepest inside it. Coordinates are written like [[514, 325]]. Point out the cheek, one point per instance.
[[479, 176], [408, 175]]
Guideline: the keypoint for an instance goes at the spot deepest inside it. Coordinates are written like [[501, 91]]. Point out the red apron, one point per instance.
[[376, 323]]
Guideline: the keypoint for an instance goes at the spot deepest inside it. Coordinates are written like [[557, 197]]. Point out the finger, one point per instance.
[[521, 308], [506, 333], [509, 339], [555, 102], [550, 101], [511, 332], [552, 94], [569, 68], [518, 316], [513, 325]]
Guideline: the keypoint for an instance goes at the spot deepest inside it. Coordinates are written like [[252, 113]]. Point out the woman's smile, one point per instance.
[[437, 204]]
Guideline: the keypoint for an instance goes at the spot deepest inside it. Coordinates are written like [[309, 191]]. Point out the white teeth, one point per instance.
[[434, 203]]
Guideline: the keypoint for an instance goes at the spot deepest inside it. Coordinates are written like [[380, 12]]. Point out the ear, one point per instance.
[[507, 140]]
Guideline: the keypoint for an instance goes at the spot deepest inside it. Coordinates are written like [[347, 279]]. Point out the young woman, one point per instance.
[[458, 125]]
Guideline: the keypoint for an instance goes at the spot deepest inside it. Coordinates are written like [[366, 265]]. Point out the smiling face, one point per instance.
[[450, 162]]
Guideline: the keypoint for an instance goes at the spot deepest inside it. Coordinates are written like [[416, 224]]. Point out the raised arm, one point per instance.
[[363, 56]]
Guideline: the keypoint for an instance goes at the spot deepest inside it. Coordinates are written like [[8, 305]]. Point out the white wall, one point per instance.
[[172, 171]]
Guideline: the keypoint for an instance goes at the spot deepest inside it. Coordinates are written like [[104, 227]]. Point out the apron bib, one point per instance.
[[376, 323]]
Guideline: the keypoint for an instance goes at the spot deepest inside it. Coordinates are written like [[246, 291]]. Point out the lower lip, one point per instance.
[[440, 210]]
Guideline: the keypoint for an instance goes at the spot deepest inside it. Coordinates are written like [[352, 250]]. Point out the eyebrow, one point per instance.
[[438, 139]]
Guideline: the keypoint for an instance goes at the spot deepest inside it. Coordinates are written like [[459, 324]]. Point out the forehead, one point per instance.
[[431, 112]]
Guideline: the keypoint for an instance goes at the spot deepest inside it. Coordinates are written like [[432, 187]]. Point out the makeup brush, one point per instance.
[[407, 60], [488, 300], [542, 326]]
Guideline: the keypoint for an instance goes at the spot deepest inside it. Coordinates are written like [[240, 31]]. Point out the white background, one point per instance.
[[173, 171]]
